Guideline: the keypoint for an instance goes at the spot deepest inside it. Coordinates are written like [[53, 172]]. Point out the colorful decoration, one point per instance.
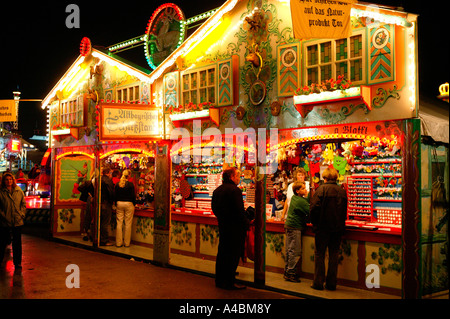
[[257, 31], [340, 164], [328, 154], [275, 108], [328, 86], [165, 33], [288, 69], [240, 112], [190, 107], [225, 86], [85, 46], [62, 126], [381, 63]]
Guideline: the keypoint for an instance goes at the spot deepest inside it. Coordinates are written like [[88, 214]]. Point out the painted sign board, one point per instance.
[[8, 111], [129, 122]]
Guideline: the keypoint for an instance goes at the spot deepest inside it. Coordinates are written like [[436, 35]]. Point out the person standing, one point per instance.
[[295, 223], [228, 206], [19, 174], [125, 200], [87, 190], [107, 200], [115, 176], [34, 172], [328, 211], [299, 176], [12, 214]]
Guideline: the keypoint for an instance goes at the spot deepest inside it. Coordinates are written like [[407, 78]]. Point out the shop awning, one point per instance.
[[434, 119], [434, 127]]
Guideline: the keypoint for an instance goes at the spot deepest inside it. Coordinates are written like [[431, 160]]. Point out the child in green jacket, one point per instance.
[[295, 222]]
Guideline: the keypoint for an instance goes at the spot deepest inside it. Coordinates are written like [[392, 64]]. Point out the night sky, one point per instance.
[[37, 48]]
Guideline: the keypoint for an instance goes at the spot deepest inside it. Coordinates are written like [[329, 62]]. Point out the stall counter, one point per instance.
[[195, 233]]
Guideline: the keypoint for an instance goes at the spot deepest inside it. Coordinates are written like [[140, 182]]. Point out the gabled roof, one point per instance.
[[193, 39], [77, 71], [379, 13]]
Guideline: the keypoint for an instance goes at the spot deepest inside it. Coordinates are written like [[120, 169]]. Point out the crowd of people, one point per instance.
[[117, 193], [326, 210]]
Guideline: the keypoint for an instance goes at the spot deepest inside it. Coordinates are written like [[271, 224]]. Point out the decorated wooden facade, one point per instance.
[[243, 69]]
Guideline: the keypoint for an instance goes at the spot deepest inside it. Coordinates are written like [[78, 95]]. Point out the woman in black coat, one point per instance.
[[228, 206]]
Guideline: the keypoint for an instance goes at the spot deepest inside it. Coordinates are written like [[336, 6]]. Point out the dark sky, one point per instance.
[[37, 48]]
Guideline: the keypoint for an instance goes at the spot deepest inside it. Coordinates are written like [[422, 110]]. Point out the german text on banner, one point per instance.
[[8, 111], [322, 19]]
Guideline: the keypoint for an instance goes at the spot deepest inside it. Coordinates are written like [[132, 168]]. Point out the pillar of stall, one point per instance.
[[260, 221], [411, 211], [161, 235]]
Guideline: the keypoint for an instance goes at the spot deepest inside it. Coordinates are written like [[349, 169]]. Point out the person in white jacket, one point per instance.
[[12, 214]]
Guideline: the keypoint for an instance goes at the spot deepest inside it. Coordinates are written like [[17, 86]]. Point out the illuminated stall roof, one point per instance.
[[80, 70], [197, 37]]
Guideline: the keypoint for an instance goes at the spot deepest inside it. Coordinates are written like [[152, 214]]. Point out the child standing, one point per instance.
[[295, 222]]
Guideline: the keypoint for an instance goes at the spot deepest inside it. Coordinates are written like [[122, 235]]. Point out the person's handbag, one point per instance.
[[250, 243]]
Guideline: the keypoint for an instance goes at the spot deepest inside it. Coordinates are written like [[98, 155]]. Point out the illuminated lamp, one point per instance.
[[128, 150], [443, 90], [85, 46], [71, 153], [378, 16]]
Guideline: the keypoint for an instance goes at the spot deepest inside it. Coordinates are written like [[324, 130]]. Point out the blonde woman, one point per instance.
[[125, 201]]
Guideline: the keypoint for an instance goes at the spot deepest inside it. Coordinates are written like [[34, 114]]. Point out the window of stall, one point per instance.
[[198, 86], [196, 177], [370, 169], [128, 94], [71, 111], [329, 59], [142, 167]]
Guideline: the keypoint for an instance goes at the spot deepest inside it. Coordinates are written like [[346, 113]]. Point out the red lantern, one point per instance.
[[85, 46]]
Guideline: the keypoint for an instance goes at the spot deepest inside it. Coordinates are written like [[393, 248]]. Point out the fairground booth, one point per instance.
[[249, 88]]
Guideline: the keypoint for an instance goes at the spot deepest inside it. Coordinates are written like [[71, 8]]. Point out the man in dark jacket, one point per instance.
[[107, 200], [87, 195], [328, 212], [228, 206]]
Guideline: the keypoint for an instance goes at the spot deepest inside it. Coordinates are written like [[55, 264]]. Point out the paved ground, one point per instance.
[[141, 288], [102, 276]]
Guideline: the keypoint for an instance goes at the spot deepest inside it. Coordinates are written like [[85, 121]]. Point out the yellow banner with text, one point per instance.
[[8, 111], [322, 19]]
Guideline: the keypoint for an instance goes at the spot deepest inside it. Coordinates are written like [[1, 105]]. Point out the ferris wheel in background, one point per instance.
[[166, 31]]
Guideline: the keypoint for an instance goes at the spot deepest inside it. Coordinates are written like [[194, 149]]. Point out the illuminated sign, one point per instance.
[[165, 33], [8, 111], [15, 146], [129, 122]]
